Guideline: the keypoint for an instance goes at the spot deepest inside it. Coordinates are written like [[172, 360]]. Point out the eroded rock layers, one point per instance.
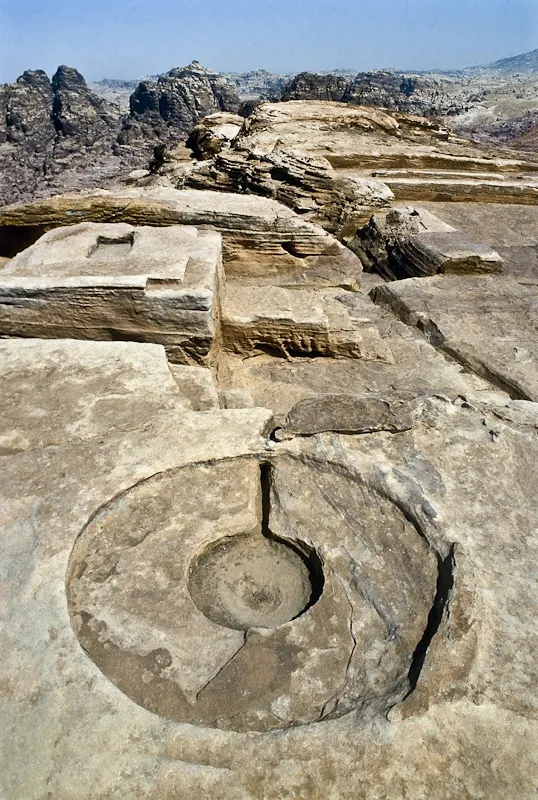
[[269, 520]]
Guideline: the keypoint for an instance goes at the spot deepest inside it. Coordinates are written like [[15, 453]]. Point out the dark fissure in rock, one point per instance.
[[445, 585], [307, 554]]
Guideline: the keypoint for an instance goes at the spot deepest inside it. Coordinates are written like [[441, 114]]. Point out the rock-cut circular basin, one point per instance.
[[249, 581]]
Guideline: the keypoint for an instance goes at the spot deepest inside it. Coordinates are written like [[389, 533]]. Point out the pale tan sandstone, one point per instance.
[[263, 241], [326, 595], [336, 164], [305, 322], [395, 517], [488, 324], [106, 281], [410, 241], [512, 230]]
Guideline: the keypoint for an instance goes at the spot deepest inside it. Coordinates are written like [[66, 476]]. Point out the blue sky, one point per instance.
[[131, 38]]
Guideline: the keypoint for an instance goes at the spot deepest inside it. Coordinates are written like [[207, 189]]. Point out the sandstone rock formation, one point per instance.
[[47, 128], [406, 649], [495, 104], [118, 281], [299, 563], [263, 241], [410, 242], [512, 230], [487, 324], [334, 164], [165, 110], [213, 133]]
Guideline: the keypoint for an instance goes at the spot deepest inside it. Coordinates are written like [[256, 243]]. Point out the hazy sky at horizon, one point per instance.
[[132, 38]]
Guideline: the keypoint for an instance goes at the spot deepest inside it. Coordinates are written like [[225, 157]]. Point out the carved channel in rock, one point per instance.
[[210, 597], [255, 580]]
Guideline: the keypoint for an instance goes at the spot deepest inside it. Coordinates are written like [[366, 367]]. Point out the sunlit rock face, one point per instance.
[[267, 519]]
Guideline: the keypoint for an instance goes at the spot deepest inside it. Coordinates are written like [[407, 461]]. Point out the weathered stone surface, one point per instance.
[[106, 281], [359, 138], [396, 518], [213, 134], [81, 391], [288, 167], [324, 160], [416, 369], [488, 324], [412, 242], [300, 322], [511, 230], [197, 384], [263, 241], [348, 413], [150, 638], [462, 190], [166, 109]]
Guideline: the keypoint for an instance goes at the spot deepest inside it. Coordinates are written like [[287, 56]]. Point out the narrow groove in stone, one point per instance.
[[445, 585]]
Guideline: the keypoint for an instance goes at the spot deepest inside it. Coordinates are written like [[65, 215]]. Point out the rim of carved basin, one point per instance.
[[154, 601], [252, 581]]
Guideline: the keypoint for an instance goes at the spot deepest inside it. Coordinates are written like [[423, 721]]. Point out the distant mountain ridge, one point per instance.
[[522, 64]]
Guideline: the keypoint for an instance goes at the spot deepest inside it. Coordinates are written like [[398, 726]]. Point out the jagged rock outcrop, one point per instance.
[[429, 96], [81, 119], [409, 242], [165, 110], [385, 89], [309, 86], [286, 167], [50, 127], [26, 108], [213, 134], [59, 134]]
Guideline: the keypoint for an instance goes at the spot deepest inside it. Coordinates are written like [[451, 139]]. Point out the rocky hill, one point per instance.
[[523, 64], [58, 133], [164, 110], [52, 127]]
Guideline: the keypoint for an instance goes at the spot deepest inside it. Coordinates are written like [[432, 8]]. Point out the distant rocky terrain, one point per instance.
[[522, 64], [59, 134], [65, 133]]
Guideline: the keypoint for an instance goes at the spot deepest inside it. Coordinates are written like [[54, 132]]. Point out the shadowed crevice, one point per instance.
[[445, 586]]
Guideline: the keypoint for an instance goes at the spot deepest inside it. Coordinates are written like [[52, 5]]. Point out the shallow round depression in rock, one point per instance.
[[251, 581]]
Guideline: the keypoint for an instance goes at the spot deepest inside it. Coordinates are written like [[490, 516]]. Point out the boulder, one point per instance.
[[412, 242], [213, 134]]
